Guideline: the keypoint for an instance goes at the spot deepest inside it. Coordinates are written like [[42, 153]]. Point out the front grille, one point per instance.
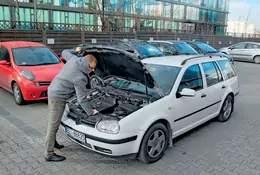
[[42, 83]]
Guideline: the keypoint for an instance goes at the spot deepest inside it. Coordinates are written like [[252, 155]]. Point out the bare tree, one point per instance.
[[99, 6]]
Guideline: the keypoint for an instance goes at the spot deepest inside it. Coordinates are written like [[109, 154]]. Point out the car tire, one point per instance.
[[18, 95], [257, 59], [155, 138], [226, 109]]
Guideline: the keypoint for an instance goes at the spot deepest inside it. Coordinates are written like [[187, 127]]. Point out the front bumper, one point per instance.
[[31, 92], [106, 144]]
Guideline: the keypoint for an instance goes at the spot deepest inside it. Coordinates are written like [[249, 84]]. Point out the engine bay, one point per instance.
[[111, 104]]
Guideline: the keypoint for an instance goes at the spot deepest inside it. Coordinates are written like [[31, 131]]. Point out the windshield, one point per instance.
[[206, 48], [165, 76], [184, 48], [147, 50], [34, 56]]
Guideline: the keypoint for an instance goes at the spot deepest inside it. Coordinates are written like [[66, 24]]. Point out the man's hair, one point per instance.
[[91, 58]]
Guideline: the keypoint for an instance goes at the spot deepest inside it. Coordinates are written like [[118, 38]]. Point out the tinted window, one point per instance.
[[168, 48], [212, 73], [239, 46], [147, 50], [196, 48], [227, 69], [192, 79], [253, 46], [205, 47], [34, 56], [4, 54], [184, 48]]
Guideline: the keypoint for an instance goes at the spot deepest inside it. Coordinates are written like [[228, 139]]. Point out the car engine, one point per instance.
[[111, 104]]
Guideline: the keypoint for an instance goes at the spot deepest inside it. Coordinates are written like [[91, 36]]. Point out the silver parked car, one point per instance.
[[246, 51]]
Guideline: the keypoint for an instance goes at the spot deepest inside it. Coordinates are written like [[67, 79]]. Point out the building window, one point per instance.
[[59, 2], [178, 11], [43, 1], [4, 13]]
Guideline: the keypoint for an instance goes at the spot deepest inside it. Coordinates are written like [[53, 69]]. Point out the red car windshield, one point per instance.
[[34, 56]]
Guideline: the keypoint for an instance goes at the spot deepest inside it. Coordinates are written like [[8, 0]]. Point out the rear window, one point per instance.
[[34, 56], [227, 69]]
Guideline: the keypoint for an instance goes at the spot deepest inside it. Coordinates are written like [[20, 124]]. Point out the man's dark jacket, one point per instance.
[[72, 79]]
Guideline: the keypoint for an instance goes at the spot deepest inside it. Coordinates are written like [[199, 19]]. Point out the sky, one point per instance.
[[239, 10]]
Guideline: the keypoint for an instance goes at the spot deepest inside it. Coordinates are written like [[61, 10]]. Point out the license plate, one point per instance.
[[75, 134]]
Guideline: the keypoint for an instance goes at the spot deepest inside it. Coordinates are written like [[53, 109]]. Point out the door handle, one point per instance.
[[203, 95], [223, 87]]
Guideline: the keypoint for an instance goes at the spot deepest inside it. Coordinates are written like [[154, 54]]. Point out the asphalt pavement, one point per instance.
[[231, 148]]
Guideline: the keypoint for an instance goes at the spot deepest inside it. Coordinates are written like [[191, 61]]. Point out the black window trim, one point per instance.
[[216, 68], [203, 87], [8, 54]]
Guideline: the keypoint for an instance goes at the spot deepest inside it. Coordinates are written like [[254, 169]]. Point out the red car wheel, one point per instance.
[[18, 96]]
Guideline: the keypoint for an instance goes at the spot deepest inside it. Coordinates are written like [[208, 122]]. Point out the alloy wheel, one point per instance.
[[156, 143], [227, 109]]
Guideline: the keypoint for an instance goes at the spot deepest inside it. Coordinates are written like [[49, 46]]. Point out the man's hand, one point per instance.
[[95, 111], [78, 49]]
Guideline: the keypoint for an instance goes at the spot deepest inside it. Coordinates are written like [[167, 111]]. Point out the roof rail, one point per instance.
[[184, 61]]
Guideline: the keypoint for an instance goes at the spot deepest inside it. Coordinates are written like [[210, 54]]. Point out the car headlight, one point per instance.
[[27, 74], [108, 126]]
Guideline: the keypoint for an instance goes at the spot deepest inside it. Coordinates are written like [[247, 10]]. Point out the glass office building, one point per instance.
[[172, 15]]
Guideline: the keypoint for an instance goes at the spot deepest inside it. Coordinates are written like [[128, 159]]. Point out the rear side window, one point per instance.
[[192, 79], [4, 54], [227, 69], [212, 73]]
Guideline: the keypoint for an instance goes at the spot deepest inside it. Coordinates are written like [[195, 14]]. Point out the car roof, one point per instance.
[[167, 41], [19, 44], [178, 60]]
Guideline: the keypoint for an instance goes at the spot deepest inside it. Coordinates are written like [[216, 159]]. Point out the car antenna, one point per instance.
[[146, 88]]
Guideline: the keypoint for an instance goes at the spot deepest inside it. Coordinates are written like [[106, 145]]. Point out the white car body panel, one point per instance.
[[183, 114]]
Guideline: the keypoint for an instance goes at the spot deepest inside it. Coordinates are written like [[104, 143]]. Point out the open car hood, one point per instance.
[[117, 62]]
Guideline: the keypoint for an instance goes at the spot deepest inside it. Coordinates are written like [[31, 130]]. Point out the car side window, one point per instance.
[[212, 73], [239, 46], [227, 69], [253, 46], [192, 79], [4, 54]]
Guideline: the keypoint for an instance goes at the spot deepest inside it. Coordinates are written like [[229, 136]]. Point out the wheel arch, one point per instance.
[[229, 94], [166, 123], [12, 83], [256, 56]]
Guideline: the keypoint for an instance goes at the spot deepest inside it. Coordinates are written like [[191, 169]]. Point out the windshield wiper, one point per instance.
[[45, 64]]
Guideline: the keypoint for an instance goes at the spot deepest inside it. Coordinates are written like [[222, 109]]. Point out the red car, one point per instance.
[[27, 69]]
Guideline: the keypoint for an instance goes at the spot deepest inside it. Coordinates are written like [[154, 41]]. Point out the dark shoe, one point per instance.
[[55, 158], [58, 146]]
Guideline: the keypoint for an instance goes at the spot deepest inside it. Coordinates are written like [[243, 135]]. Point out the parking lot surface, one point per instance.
[[215, 148]]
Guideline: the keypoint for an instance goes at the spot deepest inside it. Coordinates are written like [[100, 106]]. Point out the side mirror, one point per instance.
[[4, 63], [231, 48], [186, 93]]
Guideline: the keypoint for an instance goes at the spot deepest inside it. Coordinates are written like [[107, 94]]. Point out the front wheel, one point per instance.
[[226, 110], [18, 96], [154, 144]]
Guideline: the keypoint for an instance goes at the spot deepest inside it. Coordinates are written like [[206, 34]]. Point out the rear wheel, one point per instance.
[[154, 144], [257, 59], [226, 110], [18, 96]]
